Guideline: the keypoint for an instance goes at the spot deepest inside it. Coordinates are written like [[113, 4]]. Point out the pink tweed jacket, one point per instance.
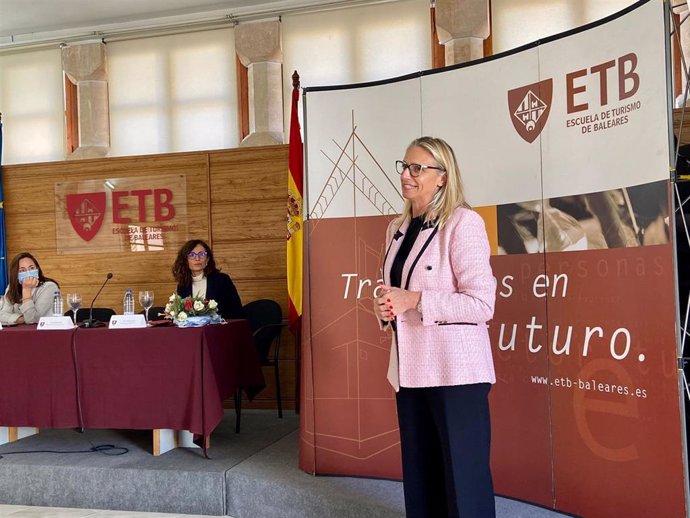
[[448, 343]]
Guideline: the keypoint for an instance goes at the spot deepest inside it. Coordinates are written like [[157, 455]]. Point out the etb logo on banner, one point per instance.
[[86, 213], [127, 214], [530, 107]]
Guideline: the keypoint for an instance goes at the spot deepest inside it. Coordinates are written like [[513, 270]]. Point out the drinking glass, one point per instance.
[[74, 301], [146, 301]]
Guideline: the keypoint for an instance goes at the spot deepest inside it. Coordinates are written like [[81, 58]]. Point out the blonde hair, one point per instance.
[[448, 197]]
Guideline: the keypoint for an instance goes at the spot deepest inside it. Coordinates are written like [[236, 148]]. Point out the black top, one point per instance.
[[404, 250], [220, 288]]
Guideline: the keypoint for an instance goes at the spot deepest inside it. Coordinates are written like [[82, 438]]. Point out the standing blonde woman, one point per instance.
[[437, 295]]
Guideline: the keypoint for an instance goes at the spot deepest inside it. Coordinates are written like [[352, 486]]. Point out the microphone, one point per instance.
[[91, 322]]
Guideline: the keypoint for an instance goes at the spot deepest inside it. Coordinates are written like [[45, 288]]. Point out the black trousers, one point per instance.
[[445, 435]]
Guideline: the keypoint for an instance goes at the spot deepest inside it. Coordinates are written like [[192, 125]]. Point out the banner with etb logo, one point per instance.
[[121, 214]]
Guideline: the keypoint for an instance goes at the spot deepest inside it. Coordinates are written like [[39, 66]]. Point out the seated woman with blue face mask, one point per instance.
[[29, 295]]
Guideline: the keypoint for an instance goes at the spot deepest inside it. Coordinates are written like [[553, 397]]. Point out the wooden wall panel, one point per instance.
[[251, 220], [236, 200], [23, 195], [252, 259], [682, 131], [262, 177], [40, 229]]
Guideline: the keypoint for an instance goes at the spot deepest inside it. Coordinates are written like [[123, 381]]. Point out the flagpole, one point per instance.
[[298, 329], [295, 230]]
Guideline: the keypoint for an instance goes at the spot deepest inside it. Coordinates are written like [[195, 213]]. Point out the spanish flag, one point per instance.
[[295, 220]]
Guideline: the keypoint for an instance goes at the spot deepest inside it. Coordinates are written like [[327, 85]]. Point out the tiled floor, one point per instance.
[[23, 511]]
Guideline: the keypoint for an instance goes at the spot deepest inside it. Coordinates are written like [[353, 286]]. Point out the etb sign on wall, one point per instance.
[[121, 214]]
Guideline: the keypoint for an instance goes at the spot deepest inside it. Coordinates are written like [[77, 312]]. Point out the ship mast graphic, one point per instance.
[[346, 168], [339, 335]]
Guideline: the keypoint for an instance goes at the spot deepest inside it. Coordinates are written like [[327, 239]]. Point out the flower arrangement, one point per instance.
[[180, 309]]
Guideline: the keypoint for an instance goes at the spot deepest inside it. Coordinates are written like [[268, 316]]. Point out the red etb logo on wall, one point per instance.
[[136, 214], [86, 213], [529, 108]]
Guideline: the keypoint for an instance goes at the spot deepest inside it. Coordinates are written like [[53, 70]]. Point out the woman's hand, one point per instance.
[[27, 285], [382, 308], [394, 301]]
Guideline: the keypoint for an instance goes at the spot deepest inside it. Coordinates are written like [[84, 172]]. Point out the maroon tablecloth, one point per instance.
[[37, 378], [130, 378]]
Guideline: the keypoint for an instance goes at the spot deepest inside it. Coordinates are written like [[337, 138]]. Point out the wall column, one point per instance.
[[84, 65], [259, 48], [462, 27]]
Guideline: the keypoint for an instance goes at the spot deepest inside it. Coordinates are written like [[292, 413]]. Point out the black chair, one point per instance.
[[154, 312], [102, 314], [266, 321]]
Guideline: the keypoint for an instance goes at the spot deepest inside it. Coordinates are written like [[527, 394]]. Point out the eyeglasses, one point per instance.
[[415, 169], [29, 269], [196, 255]]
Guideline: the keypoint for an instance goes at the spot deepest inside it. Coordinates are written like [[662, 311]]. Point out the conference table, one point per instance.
[[157, 378]]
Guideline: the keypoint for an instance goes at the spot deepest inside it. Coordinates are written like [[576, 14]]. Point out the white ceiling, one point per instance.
[[26, 21], [19, 17]]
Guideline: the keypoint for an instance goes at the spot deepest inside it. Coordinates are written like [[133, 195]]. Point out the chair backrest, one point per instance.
[[265, 318], [102, 314], [155, 312]]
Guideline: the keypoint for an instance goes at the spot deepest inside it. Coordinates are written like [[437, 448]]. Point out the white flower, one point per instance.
[[172, 313], [182, 316], [168, 308], [198, 305], [212, 304], [172, 297]]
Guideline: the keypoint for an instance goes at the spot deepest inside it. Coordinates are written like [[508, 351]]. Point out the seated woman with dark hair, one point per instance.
[[197, 275], [29, 295]]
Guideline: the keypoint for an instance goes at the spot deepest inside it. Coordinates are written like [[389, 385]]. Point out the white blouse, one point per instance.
[[199, 285]]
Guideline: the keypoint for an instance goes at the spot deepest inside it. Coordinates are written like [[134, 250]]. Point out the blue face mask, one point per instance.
[[30, 273]]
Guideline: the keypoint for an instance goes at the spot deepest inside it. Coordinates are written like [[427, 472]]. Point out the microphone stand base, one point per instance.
[[91, 323]]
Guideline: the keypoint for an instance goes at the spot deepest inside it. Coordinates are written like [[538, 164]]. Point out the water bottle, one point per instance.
[[128, 302], [57, 304]]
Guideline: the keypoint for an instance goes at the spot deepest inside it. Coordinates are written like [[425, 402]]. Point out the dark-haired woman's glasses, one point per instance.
[[196, 255], [415, 169]]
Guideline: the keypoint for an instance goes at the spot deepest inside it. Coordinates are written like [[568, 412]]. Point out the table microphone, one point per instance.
[[91, 322]]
